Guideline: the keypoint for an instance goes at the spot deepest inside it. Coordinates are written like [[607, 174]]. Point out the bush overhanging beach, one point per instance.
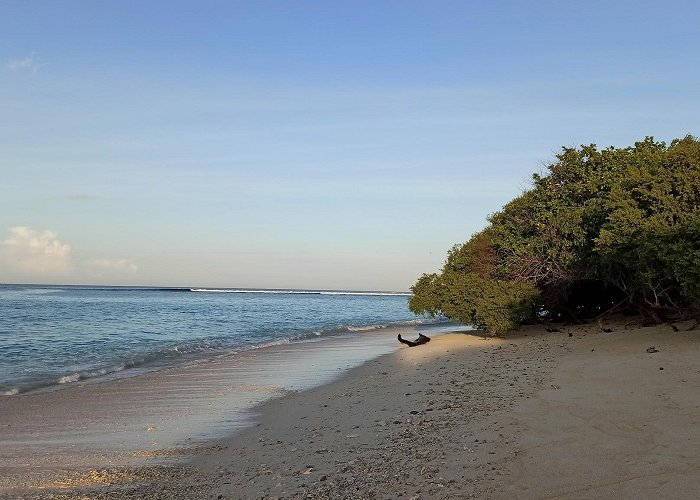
[[601, 230]]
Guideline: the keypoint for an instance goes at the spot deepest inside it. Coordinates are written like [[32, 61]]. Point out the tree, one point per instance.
[[468, 289], [599, 228]]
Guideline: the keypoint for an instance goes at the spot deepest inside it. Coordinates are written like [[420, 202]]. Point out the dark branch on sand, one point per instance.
[[422, 339]]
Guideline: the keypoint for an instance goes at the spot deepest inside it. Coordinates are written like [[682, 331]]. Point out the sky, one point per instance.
[[307, 144]]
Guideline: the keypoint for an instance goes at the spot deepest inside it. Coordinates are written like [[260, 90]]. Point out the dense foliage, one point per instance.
[[602, 228]]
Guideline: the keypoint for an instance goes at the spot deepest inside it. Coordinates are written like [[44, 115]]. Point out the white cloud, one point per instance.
[[29, 63], [28, 254], [102, 266], [36, 253]]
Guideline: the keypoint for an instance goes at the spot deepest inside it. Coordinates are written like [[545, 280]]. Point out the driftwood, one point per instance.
[[422, 339]]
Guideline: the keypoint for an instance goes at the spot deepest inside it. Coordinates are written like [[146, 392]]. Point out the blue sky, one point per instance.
[[307, 144]]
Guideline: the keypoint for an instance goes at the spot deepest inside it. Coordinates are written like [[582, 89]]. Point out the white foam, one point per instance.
[[69, 378], [372, 294], [103, 371], [11, 392], [365, 328], [302, 292]]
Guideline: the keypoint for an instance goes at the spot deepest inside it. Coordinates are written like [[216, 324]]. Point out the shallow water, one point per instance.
[[124, 421], [59, 335]]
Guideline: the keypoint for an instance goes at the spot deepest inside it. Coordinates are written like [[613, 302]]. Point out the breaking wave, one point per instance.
[[96, 333], [301, 292], [201, 350]]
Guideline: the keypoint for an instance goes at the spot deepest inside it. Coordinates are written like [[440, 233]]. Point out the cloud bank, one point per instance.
[[28, 254], [36, 253], [101, 266]]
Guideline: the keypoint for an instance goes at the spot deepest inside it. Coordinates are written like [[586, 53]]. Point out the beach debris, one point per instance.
[[553, 330], [652, 349], [422, 339], [307, 471]]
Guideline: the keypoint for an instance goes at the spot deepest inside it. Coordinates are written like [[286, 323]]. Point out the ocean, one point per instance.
[[51, 336]]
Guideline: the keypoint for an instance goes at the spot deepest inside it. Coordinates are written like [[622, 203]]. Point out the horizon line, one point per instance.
[[188, 287]]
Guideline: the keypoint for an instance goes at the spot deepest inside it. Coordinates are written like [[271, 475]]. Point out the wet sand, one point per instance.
[[163, 416], [530, 415]]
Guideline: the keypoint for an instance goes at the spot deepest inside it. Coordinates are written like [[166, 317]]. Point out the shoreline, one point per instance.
[[130, 331], [162, 416], [122, 370], [529, 415]]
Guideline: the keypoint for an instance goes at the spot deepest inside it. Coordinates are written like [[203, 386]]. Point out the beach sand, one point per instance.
[[529, 415]]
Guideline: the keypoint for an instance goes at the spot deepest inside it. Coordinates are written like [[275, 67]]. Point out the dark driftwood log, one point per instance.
[[422, 339]]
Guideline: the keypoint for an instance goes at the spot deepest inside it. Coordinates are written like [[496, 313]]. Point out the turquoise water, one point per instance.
[[55, 335]]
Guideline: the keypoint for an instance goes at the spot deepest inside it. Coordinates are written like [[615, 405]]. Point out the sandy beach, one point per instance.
[[571, 414], [218, 216]]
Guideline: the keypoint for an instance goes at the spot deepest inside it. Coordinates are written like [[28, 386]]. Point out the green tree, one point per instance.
[[598, 226], [468, 290]]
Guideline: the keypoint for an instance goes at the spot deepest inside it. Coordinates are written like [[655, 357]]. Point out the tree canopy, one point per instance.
[[600, 228]]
